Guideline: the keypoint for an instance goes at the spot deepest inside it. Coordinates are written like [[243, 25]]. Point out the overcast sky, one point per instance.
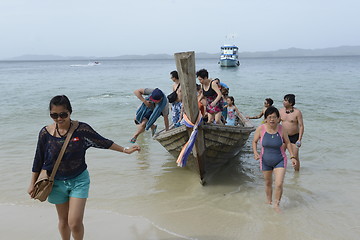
[[106, 28]]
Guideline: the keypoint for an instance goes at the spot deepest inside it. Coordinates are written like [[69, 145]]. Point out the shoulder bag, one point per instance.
[[44, 183], [173, 96]]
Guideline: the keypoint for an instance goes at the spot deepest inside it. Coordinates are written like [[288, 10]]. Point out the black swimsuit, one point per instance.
[[211, 95], [293, 138], [210, 92]]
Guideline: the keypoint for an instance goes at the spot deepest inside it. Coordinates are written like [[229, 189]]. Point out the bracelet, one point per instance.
[[292, 157], [125, 148]]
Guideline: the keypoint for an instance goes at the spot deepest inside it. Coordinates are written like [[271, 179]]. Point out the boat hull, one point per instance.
[[221, 144], [229, 63]]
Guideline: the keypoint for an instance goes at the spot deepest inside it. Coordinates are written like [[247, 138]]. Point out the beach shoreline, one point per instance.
[[40, 222]]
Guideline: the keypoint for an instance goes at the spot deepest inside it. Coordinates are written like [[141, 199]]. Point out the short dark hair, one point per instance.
[[271, 110], [203, 73], [60, 100], [174, 74], [290, 98], [224, 91], [269, 101], [232, 99]]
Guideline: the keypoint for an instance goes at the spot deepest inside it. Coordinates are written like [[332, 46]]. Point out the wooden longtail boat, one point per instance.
[[215, 144]]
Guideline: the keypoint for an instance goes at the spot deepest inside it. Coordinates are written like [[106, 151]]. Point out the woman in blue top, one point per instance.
[[72, 181], [272, 158]]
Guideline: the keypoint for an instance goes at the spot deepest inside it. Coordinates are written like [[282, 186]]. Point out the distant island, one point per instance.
[[290, 52]]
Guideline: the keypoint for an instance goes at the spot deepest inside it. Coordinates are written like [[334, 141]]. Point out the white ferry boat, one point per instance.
[[229, 56]]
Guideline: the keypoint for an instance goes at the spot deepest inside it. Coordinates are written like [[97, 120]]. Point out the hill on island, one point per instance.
[[290, 52]]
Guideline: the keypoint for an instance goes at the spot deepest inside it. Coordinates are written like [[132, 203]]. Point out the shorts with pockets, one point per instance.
[[77, 187]]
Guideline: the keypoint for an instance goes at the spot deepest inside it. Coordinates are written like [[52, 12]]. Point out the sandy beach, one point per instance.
[[40, 222]]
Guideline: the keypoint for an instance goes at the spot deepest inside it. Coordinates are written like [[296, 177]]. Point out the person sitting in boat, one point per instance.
[[176, 106], [201, 106], [201, 102], [232, 112], [221, 84], [225, 94], [212, 93], [150, 110], [267, 103]]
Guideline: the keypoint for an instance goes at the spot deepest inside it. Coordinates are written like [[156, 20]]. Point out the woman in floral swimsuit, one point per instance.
[[212, 93]]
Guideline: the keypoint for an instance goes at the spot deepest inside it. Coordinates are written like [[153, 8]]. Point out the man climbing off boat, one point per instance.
[[150, 110]]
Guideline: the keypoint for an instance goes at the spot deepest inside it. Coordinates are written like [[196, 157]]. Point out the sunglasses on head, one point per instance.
[[57, 115]]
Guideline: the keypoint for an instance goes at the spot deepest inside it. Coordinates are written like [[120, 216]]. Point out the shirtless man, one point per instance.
[[292, 121], [176, 107]]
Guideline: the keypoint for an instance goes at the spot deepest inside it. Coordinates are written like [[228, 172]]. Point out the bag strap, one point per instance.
[[74, 125], [177, 87]]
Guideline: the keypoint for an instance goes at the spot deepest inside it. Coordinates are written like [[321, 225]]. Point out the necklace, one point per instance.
[[273, 135], [273, 130], [289, 111], [57, 130]]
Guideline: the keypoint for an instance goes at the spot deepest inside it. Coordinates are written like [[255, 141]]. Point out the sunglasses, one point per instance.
[[57, 115]]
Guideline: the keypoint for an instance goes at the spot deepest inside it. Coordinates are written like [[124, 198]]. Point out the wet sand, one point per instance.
[[29, 222]]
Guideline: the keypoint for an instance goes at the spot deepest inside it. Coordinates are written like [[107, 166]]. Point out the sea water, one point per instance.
[[320, 202]]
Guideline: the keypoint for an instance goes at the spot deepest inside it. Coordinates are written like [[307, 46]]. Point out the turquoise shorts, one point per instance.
[[77, 187]]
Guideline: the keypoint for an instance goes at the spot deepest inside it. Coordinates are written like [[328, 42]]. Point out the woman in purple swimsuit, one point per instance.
[[272, 158]]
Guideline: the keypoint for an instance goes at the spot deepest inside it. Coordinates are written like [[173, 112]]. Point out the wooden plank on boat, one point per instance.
[[185, 64]]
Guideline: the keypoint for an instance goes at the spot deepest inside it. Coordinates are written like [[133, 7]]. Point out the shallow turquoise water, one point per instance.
[[323, 196]]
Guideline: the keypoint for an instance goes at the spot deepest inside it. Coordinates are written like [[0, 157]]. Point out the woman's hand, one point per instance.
[[293, 161], [256, 156], [31, 189], [131, 149]]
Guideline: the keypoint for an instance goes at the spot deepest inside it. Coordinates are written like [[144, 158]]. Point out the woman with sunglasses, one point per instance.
[[72, 181]]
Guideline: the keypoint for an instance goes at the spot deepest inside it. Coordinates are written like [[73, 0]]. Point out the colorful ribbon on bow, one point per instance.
[[187, 148]]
